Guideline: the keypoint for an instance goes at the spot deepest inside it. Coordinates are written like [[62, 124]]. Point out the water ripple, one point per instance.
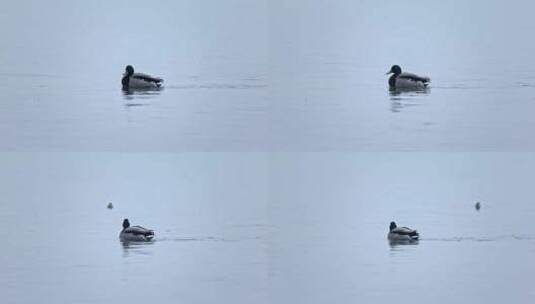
[[482, 238], [238, 86]]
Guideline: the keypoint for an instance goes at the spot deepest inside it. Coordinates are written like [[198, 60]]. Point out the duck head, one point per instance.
[[129, 71], [126, 224], [392, 225], [395, 69]]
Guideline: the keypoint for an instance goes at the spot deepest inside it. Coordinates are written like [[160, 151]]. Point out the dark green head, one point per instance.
[[395, 69], [392, 226], [126, 224], [129, 70]]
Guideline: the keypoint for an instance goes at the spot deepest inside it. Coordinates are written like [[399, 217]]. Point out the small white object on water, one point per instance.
[[402, 233]]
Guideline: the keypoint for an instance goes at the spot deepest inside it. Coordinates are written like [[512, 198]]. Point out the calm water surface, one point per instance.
[[60, 242], [333, 212], [60, 76], [267, 228], [274, 75]]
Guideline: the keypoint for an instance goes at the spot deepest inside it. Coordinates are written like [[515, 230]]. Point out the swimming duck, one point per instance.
[[406, 81], [402, 233], [135, 233], [133, 80]]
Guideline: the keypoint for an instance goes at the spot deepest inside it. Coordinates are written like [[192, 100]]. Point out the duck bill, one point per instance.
[[388, 73]]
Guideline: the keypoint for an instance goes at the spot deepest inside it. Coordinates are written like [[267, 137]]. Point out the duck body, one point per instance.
[[403, 234], [408, 81], [135, 233], [132, 81]]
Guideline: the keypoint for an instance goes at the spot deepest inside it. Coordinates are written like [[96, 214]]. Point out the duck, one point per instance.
[[134, 81], [407, 81], [402, 233], [135, 233]]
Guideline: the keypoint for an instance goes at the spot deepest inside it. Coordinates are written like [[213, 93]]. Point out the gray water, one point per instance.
[[274, 75], [60, 75], [61, 243], [269, 82], [333, 212], [267, 227]]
